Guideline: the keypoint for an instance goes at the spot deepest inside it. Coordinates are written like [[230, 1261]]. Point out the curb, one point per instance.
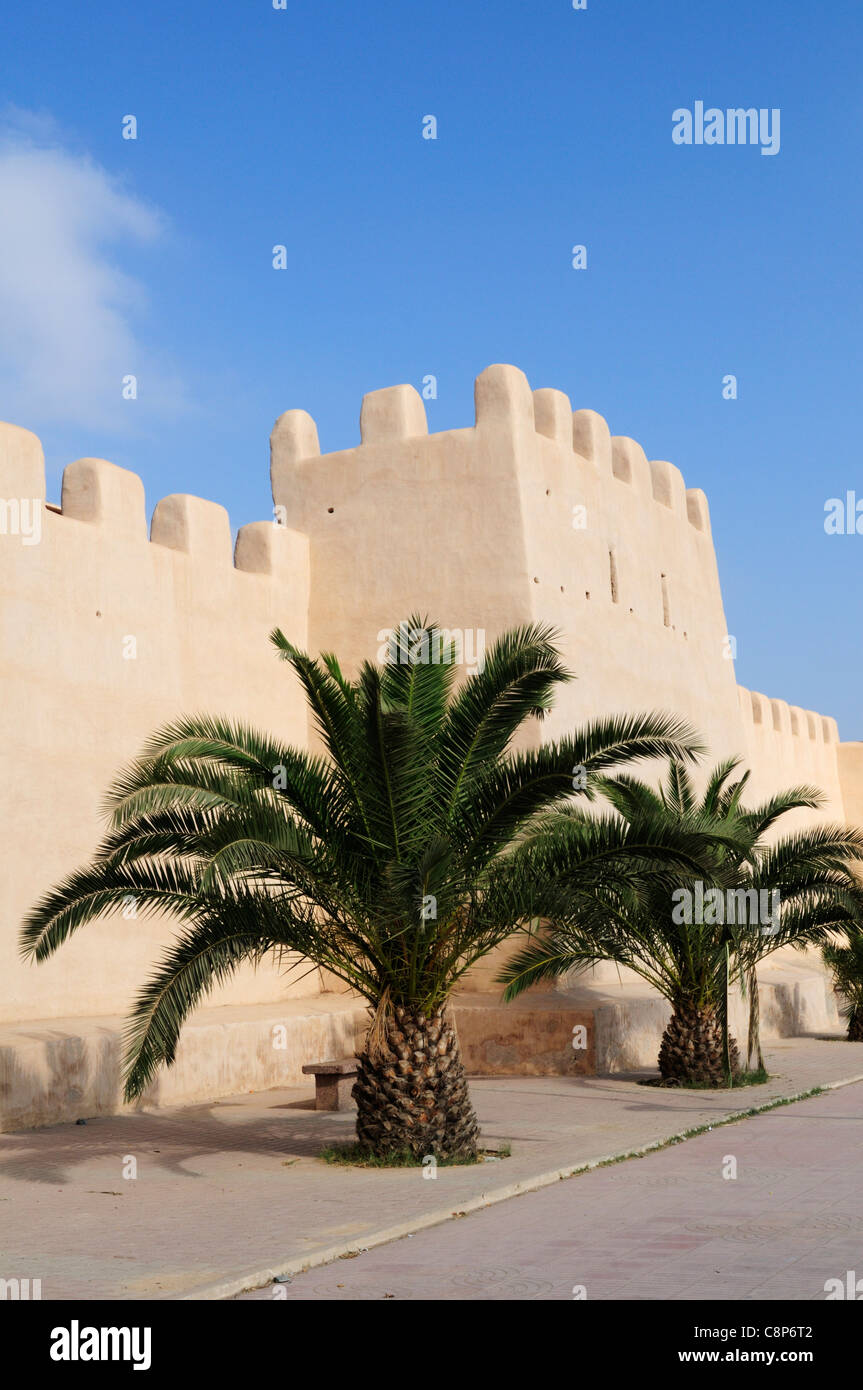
[[258, 1278]]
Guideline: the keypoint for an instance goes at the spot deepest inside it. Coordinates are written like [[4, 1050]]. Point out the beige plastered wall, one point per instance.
[[535, 513]]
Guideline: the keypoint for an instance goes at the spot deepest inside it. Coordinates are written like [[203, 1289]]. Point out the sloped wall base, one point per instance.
[[63, 1070]]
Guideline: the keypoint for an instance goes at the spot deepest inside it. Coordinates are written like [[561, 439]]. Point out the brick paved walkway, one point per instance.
[[227, 1192], [667, 1226]]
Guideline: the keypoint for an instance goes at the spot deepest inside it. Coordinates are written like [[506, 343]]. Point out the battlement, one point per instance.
[[508, 416], [505, 407], [785, 745], [775, 716], [105, 496], [534, 513]]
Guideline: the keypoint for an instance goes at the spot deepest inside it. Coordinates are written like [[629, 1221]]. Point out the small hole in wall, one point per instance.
[[632, 610], [548, 492], [330, 509], [562, 590], [587, 593], [684, 634], [535, 580], [98, 613]]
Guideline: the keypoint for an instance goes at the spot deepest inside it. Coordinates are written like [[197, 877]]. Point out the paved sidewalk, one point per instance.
[[229, 1193], [668, 1226]]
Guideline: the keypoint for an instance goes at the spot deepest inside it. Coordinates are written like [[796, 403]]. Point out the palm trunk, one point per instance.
[[855, 1024], [753, 1045], [411, 1090], [727, 1069], [694, 1049]]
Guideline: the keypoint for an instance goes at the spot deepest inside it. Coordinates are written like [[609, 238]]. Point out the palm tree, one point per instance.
[[746, 898], [394, 859], [846, 962]]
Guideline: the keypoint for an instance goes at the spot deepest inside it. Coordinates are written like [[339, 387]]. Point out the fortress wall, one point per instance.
[[476, 528], [74, 709], [786, 746], [850, 757], [406, 522], [635, 590], [473, 527], [536, 513]]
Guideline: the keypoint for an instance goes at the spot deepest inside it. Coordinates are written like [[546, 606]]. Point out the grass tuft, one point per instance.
[[358, 1155], [746, 1078]]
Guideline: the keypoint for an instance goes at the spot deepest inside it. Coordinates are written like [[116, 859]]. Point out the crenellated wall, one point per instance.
[[407, 521], [786, 746], [104, 635], [535, 513], [523, 517]]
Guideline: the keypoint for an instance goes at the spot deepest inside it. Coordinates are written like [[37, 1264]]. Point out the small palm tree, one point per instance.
[[846, 962], [793, 892], [395, 859]]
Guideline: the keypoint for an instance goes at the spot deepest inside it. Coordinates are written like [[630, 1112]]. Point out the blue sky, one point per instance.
[[408, 256]]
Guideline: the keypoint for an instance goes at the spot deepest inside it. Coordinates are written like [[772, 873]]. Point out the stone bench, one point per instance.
[[333, 1083]]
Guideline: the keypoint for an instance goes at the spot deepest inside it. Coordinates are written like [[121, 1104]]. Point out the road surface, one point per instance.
[[767, 1208]]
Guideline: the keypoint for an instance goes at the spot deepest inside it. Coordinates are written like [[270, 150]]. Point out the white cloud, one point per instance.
[[68, 314]]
